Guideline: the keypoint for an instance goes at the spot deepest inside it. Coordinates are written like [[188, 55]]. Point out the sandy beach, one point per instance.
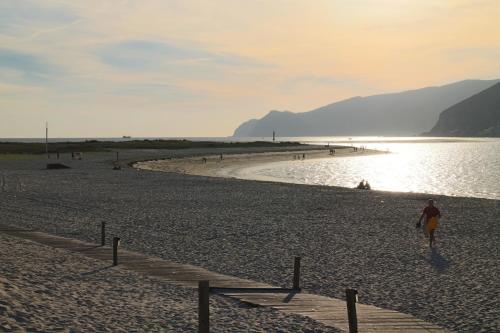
[[250, 229]]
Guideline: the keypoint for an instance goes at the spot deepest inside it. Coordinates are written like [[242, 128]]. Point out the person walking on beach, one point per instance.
[[432, 216]]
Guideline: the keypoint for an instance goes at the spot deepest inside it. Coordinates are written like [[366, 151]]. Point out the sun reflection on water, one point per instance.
[[458, 168]]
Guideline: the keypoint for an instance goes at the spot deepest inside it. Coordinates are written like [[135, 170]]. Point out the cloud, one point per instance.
[[24, 62], [153, 55], [33, 11], [19, 16]]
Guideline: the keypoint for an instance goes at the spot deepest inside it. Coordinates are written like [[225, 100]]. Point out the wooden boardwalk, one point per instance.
[[329, 311]]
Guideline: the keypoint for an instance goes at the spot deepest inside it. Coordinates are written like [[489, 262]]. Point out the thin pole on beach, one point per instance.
[[351, 296], [116, 242], [296, 274], [203, 306], [47, 139], [103, 233]]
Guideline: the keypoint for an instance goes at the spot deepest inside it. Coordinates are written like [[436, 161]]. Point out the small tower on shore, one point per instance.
[[274, 136]]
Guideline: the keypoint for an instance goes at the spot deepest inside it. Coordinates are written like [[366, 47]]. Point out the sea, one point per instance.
[[465, 167]]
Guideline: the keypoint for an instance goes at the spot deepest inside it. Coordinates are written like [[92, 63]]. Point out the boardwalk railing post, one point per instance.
[[116, 242], [203, 306], [296, 274], [103, 233], [351, 295]]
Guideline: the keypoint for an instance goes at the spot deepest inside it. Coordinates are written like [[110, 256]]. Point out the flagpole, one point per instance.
[[47, 138]]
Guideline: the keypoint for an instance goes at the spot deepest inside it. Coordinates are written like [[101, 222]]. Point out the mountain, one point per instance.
[[404, 113], [478, 115]]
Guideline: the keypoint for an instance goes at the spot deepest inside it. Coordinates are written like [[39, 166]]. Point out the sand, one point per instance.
[[43, 289], [251, 229]]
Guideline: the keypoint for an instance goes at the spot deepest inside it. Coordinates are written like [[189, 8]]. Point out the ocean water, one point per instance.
[[465, 167]]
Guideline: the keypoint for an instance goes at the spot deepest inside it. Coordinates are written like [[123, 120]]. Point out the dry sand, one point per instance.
[[347, 238], [43, 289]]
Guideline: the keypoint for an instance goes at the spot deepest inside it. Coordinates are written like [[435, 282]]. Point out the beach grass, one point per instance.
[[17, 157], [11, 148]]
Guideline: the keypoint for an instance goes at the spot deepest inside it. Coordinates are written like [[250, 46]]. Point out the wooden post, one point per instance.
[[203, 306], [351, 295], [103, 233], [116, 242], [296, 274]]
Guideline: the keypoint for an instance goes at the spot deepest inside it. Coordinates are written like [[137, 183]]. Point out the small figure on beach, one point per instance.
[[364, 185], [303, 156], [221, 157], [432, 216], [204, 159]]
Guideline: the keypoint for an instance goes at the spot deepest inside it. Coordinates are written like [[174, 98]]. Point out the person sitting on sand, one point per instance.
[[432, 216], [364, 185]]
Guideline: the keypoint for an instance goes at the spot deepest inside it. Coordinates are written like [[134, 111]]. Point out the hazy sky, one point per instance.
[[96, 68]]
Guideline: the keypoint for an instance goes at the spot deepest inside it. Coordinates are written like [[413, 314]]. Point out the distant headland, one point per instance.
[[406, 113]]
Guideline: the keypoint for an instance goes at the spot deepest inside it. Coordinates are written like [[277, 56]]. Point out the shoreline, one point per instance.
[[244, 165], [230, 164]]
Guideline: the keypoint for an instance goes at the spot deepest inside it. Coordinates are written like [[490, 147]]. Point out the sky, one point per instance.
[[197, 68]]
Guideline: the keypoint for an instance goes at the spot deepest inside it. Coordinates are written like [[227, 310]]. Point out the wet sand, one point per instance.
[[231, 164]]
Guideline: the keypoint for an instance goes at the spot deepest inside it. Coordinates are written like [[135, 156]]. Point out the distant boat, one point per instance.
[[126, 136]]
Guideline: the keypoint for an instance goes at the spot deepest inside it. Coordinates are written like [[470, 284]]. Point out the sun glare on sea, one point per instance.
[[395, 171], [462, 169]]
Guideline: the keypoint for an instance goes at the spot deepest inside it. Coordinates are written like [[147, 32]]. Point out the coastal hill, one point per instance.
[[478, 115], [404, 113]]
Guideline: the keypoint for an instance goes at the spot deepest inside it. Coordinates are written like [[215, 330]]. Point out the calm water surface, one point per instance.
[[468, 168]]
